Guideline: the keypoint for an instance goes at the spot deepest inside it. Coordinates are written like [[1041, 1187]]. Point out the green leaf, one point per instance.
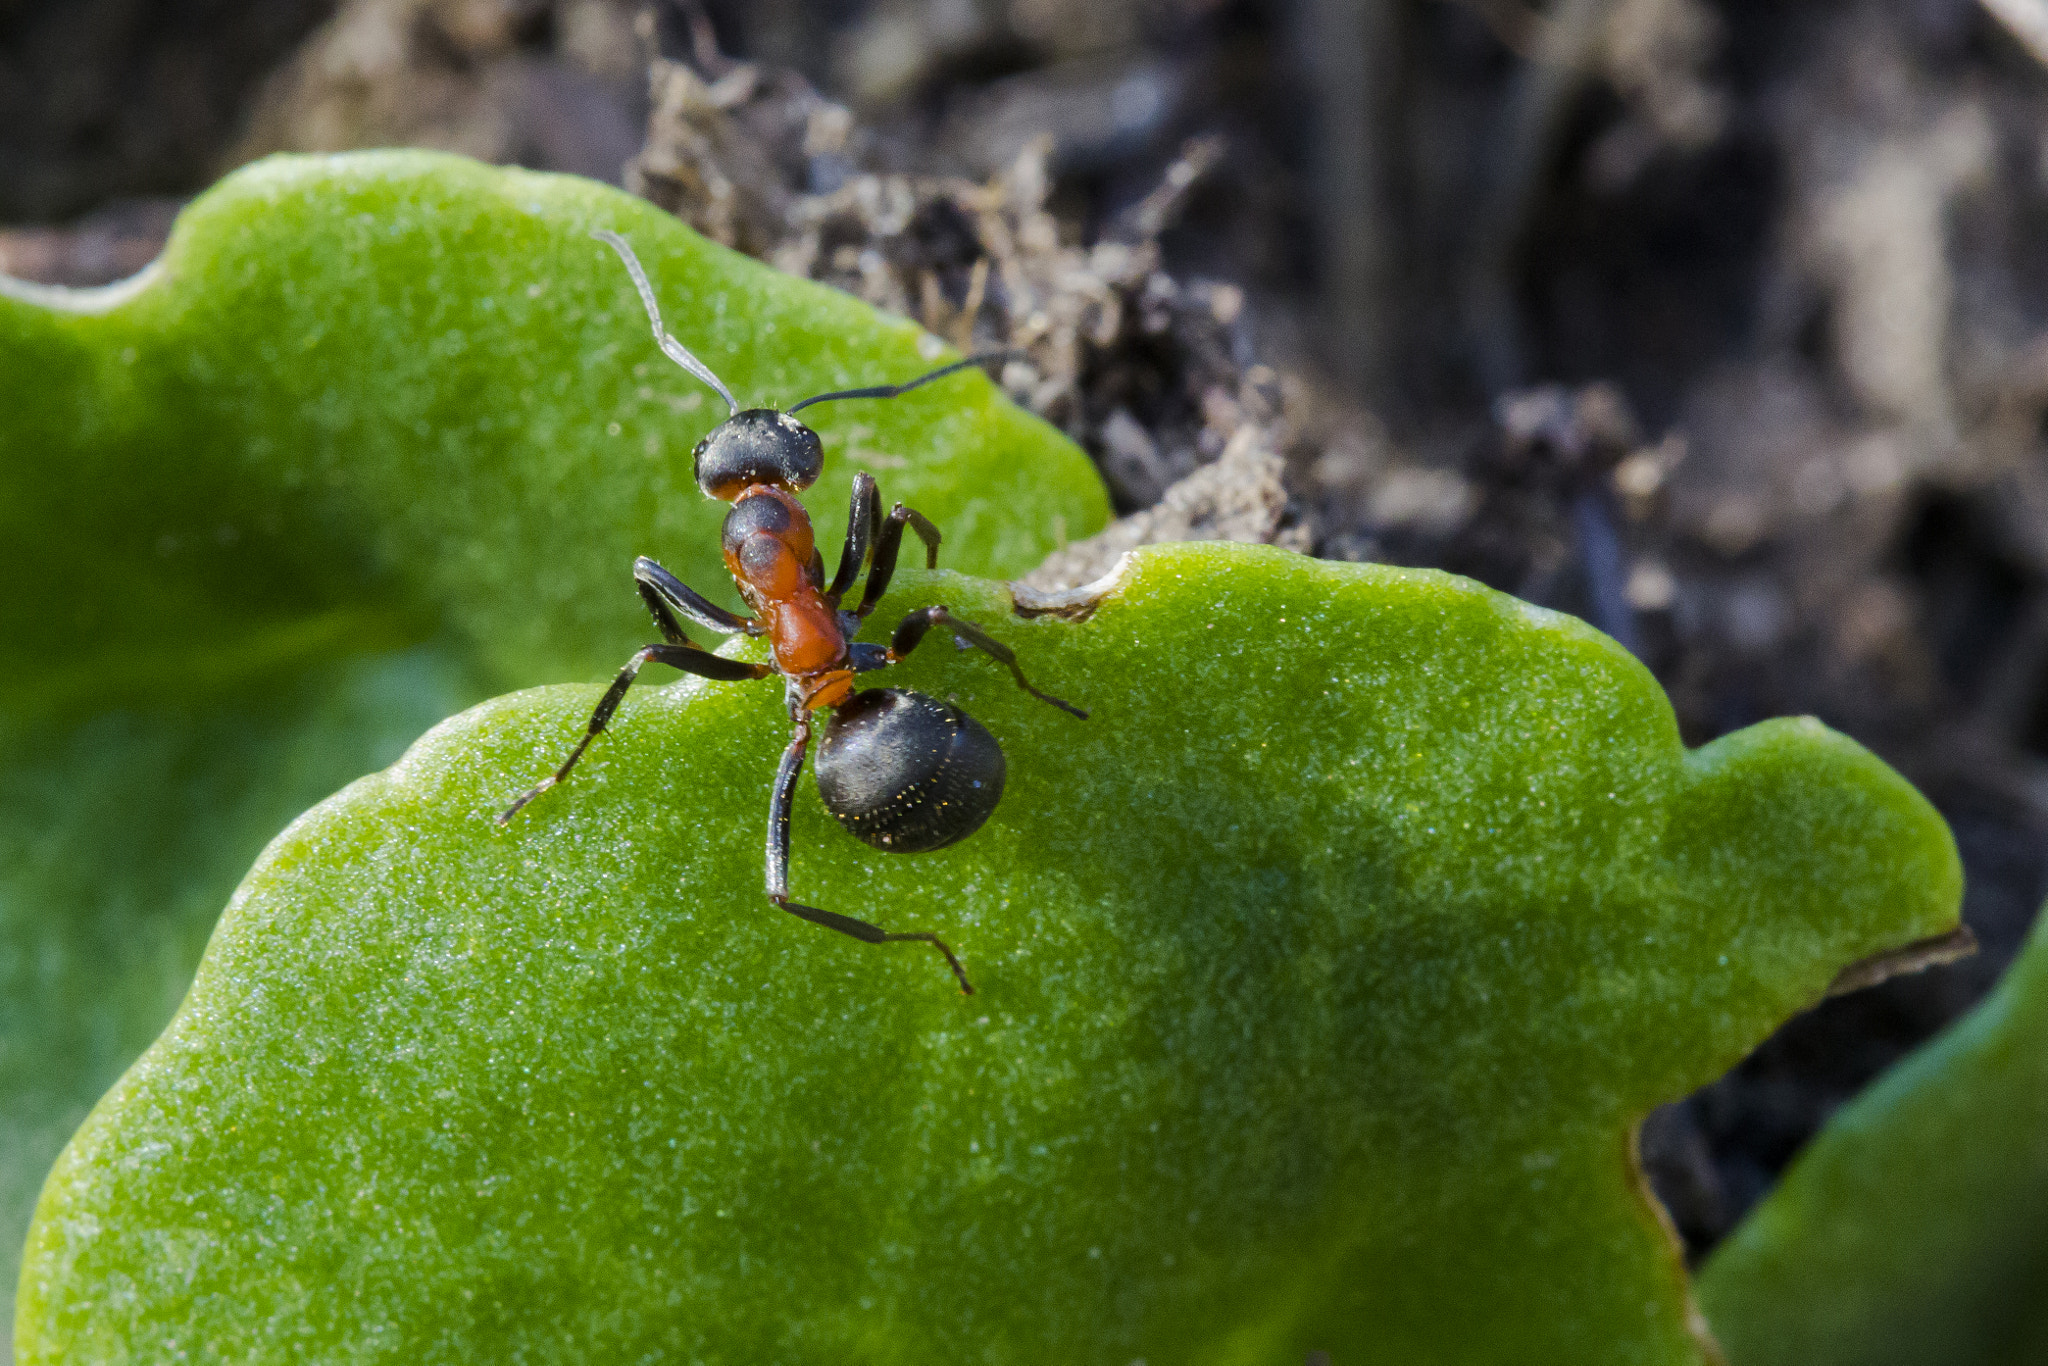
[[1324, 973], [380, 436], [1914, 1229]]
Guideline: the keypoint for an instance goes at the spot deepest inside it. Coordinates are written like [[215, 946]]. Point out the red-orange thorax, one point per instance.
[[773, 558]]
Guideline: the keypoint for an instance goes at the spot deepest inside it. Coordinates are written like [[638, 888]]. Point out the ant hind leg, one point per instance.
[[778, 866], [911, 631]]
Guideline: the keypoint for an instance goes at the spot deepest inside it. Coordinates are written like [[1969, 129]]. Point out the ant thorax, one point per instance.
[[768, 544], [773, 558]]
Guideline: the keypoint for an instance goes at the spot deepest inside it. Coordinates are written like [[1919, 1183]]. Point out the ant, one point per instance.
[[900, 770]]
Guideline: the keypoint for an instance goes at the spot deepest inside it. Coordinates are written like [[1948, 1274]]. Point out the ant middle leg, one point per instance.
[[863, 524], [685, 656], [778, 865], [888, 545], [911, 631]]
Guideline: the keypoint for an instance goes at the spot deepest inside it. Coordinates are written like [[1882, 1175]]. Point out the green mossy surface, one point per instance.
[[1324, 973], [1914, 1230], [380, 436]]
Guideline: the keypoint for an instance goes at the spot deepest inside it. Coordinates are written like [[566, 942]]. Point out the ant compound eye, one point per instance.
[[759, 446], [906, 772]]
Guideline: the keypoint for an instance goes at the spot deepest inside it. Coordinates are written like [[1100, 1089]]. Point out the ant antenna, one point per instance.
[[670, 347], [892, 390]]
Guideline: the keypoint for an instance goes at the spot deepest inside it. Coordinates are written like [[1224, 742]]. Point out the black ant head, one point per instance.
[[758, 446]]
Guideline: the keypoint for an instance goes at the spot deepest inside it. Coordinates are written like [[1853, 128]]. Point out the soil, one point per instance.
[[1721, 323]]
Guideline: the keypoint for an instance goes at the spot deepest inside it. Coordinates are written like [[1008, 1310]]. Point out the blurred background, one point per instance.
[[1720, 323]]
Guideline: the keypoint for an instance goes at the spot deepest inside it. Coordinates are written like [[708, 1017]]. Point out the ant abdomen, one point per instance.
[[906, 772]]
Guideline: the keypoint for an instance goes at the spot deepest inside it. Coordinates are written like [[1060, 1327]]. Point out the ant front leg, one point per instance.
[[888, 545], [684, 656], [778, 864], [665, 595], [911, 631]]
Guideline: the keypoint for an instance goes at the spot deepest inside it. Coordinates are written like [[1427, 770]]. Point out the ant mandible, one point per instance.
[[900, 770]]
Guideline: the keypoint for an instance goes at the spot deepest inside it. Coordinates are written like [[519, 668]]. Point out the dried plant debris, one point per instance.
[[1866, 478], [551, 84], [1655, 54], [1151, 374], [109, 244], [1240, 497], [105, 103]]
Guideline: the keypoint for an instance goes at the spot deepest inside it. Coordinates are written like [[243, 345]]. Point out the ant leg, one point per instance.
[[778, 865], [968, 636], [888, 544], [663, 591], [863, 520], [686, 657]]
